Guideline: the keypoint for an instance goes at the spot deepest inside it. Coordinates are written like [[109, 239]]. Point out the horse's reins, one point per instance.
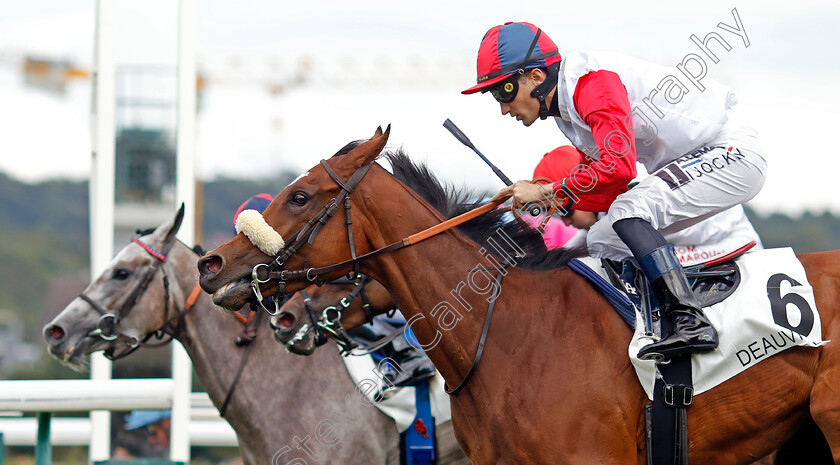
[[249, 333], [265, 272], [483, 338]]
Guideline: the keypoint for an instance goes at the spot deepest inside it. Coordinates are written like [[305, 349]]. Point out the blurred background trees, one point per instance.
[[44, 254]]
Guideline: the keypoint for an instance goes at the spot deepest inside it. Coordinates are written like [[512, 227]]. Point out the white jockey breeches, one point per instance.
[[684, 199]]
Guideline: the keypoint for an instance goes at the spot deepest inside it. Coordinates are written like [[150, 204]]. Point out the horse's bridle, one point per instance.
[[329, 321], [108, 324], [112, 333], [265, 272]]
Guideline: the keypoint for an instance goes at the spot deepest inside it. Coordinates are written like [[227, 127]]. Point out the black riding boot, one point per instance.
[[413, 367], [692, 330]]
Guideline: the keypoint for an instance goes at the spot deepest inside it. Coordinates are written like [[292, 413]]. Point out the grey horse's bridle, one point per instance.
[[107, 328]]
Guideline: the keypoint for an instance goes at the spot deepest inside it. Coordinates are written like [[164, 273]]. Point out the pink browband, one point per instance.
[[152, 251]]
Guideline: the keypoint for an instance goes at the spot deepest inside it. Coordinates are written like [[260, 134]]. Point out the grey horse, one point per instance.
[[284, 409]]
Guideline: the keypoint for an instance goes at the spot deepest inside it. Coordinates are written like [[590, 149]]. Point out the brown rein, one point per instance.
[[263, 273], [312, 273]]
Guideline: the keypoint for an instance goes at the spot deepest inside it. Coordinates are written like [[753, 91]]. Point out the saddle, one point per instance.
[[626, 287], [711, 283], [666, 427]]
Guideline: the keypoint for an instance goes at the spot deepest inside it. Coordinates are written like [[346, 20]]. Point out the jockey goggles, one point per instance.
[[506, 90]]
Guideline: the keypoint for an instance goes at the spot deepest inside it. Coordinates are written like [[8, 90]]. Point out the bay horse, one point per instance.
[[272, 415], [807, 446], [555, 385]]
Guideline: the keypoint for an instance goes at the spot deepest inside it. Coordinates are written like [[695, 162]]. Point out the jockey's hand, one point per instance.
[[523, 193]]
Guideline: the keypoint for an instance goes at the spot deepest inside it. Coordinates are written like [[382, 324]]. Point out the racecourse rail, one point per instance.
[[45, 397]]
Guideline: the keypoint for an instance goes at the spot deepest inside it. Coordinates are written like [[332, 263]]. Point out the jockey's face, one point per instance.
[[580, 220], [524, 107]]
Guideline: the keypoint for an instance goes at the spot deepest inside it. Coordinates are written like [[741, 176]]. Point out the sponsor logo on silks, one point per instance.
[[693, 253], [693, 166]]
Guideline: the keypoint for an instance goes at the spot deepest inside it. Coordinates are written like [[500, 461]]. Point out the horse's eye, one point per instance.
[[120, 274], [299, 199]]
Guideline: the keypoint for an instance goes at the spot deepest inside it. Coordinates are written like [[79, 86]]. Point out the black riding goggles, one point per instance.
[[506, 90]]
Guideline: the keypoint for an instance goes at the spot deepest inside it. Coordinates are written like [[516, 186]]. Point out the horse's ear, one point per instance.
[[366, 152], [166, 232]]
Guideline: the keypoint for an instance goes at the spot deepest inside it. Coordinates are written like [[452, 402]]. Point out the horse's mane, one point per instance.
[[451, 201]]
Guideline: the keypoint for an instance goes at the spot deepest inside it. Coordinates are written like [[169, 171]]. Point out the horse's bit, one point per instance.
[[330, 319]]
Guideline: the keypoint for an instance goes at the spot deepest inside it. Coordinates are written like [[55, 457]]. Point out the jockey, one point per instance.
[[703, 158]]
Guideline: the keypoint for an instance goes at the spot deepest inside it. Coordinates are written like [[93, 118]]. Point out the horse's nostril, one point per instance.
[[283, 320], [55, 332], [210, 264]]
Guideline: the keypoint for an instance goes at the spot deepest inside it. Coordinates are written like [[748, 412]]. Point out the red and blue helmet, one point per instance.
[[257, 202], [508, 48]]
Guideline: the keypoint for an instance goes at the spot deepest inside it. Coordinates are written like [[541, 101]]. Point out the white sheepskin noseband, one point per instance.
[[252, 223]]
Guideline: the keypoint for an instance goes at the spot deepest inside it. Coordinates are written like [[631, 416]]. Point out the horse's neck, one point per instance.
[[209, 336], [429, 280], [279, 396]]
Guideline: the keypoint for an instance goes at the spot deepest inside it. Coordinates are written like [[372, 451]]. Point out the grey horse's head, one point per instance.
[[106, 316]]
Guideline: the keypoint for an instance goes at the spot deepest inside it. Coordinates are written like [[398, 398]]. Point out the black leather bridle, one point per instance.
[[107, 327], [265, 272]]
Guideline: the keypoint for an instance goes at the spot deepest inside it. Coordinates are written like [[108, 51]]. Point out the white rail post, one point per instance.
[[184, 192], [102, 196]]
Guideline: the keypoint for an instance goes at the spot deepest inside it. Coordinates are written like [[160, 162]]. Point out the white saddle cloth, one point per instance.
[[762, 318]]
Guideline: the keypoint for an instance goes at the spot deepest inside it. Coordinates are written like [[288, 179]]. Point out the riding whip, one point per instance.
[[450, 126]]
